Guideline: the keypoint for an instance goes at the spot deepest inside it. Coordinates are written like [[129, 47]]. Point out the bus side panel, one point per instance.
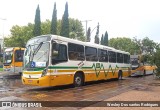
[[64, 79]]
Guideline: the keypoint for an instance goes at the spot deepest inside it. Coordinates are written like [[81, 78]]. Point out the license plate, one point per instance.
[[30, 81]]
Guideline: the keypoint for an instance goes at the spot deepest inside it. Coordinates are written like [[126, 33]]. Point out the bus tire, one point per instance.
[[144, 72], [120, 74], [78, 80]]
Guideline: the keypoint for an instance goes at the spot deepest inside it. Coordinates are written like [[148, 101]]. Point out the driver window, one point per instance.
[[59, 53]]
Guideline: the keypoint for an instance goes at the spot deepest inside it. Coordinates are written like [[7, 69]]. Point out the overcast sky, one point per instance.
[[120, 18]]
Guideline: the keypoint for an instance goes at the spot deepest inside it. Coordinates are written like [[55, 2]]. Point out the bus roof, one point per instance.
[[65, 39], [11, 48], [56, 37]]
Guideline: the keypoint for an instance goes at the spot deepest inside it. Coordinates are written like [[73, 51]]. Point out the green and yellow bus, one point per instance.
[[141, 68], [13, 60], [51, 60]]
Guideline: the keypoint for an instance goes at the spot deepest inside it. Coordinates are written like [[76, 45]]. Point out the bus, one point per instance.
[[140, 68], [13, 60], [52, 60]]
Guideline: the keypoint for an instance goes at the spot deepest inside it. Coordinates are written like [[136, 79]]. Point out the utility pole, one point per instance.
[[86, 24]]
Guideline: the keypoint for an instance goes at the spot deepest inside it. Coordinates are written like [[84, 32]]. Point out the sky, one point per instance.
[[120, 18]]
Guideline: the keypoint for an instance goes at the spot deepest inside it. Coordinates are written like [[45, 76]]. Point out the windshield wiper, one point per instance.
[[38, 47], [36, 50]]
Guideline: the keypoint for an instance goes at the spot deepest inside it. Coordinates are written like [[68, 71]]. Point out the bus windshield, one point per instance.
[[8, 57], [134, 61], [36, 55]]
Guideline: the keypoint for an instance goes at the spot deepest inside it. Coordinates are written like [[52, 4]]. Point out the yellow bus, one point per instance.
[[13, 60], [51, 60], [141, 68]]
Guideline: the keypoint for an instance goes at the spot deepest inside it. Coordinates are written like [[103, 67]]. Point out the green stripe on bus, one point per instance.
[[96, 66]]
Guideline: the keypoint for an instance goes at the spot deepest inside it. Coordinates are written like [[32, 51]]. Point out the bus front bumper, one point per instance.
[[43, 81]]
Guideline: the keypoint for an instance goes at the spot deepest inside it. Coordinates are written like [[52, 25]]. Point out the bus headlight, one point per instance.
[[44, 72]]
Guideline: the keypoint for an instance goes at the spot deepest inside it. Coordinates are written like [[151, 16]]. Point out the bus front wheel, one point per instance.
[[78, 80]]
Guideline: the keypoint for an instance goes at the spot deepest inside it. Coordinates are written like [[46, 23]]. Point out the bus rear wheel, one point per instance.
[[78, 80], [144, 72], [120, 74]]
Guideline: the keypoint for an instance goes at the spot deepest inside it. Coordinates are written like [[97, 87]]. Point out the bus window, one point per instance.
[[103, 55], [75, 51], [91, 54], [59, 53], [126, 58], [19, 55], [8, 57], [112, 56], [119, 58]]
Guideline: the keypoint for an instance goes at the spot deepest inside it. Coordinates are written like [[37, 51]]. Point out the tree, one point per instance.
[[97, 35], [88, 34], [37, 26], [54, 21], [146, 46], [123, 43], [46, 27], [105, 40], [21, 34], [102, 40], [75, 28], [65, 23], [156, 60]]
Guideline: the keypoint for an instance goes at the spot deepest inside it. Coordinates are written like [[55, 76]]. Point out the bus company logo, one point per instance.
[[80, 64], [6, 104]]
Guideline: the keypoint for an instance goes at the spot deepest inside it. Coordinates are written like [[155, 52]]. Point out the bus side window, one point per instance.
[[103, 55], [91, 54], [75, 51], [120, 58], [59, 53], [112, 56]]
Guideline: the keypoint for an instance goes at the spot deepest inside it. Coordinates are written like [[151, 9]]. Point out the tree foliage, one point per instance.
[[37, 26], [97, 35], [123, 43], [54, 21], [65, 23], [105, 40], [75, 26], [102, 40], [21, 34], [156, 60], [88, 34], [146, 46]]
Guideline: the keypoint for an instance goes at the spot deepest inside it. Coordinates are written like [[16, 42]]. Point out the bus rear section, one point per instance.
[[13, 60]]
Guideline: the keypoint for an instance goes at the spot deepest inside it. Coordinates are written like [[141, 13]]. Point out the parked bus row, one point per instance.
[[51, 60]]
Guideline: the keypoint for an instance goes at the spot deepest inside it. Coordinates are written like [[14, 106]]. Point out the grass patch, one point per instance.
[[1, 69]]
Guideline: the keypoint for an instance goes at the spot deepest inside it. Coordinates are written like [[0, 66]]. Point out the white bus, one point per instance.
[[51, 60]]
